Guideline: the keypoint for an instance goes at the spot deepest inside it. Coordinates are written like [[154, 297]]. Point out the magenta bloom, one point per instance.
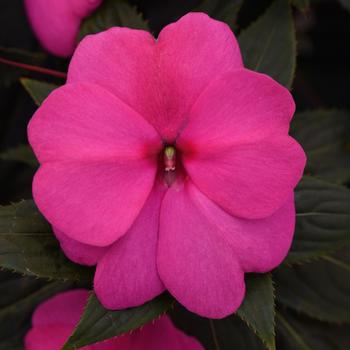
[[169, 165], [55, 319], [56, 22]]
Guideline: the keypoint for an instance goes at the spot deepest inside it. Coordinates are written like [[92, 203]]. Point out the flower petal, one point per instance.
[[51, 337], [162, 335], [249, 180], [192, 52], [86, 122], [62, 309], [202, 257], [56, 23], [127, 275], [160, 80], [79, 253], [262, 244], [93, 202], [195, 261], [126, 65], [241, 106]]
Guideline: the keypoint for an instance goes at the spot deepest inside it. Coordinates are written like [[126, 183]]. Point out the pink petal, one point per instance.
[[85, 122], [195, 261], [262, 244], [62, 309], [123, 61], [192, 52], [201, 258], [51, 337], [79, 253], [93, 203], [56, 22], [238, 107], [160, 80], [250, 180], [161, 335], [127, 276]]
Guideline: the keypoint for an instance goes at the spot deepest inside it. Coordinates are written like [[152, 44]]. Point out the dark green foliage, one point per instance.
[[38, 90], [222, 10], [110, 14], [268, 45], [312, 286], [22, 153], [10, 74], [18, 298], [28, 246], [320, 290], [323, 219], [325, 137], [98, 324], [258, 308]]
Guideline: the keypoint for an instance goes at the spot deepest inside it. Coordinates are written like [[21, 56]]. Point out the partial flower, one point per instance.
[[169, 165], [55, 319], [56, 22]]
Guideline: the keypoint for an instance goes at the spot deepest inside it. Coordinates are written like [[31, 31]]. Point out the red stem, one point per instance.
[[32, 68]]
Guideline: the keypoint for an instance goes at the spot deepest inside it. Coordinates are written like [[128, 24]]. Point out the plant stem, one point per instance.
[[32, 68]]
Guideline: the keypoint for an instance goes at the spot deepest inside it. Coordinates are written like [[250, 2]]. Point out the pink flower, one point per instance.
[[55, 319], [56, 22], [133, 109]]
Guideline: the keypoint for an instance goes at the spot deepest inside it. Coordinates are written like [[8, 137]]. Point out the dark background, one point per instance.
[[321, 81]]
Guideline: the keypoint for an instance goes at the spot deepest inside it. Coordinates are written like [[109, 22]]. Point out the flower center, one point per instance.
[[169, 158]]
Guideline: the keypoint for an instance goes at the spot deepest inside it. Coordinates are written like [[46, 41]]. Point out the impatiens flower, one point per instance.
[[169, 165], [55, 319], [56, 22]]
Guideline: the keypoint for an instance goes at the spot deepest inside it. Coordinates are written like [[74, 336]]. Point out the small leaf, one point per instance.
[[301, 4], [38, 90], [323, 220], [98, 324], [325, 135], [28, 246], [22, 153], [258, 308], [110, 14], [222, 10], [320, 289], [268, 45]]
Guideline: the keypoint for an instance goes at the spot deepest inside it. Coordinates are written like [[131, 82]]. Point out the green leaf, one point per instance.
[[18, 298], [258, 308], [22, 153], [320, 289], [98, 324], [11, 74], [296, 332], [28, 246], [325, 135], [110, 14], [323, 220], [291, 334], [222, 10], [38, 90], [301, 4], [268, 45], [224, 334]]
